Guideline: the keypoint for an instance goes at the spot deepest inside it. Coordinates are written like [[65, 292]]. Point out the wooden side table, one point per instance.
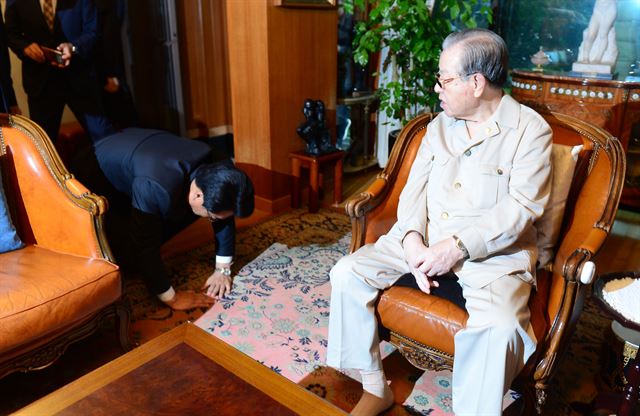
[[301, 160]]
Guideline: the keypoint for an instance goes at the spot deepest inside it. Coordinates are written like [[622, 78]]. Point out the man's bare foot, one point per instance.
[[370, 405], [188, 299]]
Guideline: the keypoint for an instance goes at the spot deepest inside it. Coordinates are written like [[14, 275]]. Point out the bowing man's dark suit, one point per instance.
[[49, 88], [155, 169]]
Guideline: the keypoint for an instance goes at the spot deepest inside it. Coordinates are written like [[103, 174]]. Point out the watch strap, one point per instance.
[[226, 271], [460, 246]]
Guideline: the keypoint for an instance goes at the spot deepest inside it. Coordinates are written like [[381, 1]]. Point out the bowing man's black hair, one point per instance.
[[225, 188]]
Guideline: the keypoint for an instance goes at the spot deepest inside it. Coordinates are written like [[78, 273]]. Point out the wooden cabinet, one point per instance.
[[612, 105]]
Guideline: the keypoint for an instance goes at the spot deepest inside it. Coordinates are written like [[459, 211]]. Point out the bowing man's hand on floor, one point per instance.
[[219, 283]]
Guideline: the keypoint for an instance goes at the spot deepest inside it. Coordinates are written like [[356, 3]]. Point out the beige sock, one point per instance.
[[374, 382]]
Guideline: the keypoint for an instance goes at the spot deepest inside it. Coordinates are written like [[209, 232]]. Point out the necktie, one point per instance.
[[49, 14]]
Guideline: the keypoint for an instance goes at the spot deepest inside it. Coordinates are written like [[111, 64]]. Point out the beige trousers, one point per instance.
[[489, 352]]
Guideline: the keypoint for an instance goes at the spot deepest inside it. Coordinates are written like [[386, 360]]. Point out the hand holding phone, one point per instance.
[[52, 55]]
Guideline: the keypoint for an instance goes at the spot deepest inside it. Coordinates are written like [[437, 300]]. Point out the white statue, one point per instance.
[[599, 51]]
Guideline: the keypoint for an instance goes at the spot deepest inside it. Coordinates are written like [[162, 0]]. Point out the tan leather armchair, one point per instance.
[[63, 283], [422, 326]]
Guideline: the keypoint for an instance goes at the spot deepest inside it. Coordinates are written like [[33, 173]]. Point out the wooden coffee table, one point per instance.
[[183, 372]]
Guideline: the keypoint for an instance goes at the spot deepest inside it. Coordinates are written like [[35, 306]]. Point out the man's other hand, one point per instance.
[[415, 252], [441, 257], [67, 51], [414, 249], [188, 299], [34, 52], [425, 283], [112, 85], [218, 285]]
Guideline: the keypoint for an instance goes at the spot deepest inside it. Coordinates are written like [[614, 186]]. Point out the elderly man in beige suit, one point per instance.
[[480, 180]]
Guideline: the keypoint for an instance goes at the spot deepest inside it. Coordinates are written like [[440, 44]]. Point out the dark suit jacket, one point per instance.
[[109, 55], [75, 22], [7, 94]]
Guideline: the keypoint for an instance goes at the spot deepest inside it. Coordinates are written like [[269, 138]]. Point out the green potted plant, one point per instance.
[[413, 35]]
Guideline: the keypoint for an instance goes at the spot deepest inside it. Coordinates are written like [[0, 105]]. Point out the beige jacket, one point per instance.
[[488, 192]]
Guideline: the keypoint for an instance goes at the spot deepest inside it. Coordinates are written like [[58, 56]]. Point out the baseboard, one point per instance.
[[276, 206], [209, 131]]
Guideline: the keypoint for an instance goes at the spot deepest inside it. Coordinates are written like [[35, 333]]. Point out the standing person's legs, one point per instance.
[[90, 113], [353, 329], [46, 110], [493, 347], [119, 106]]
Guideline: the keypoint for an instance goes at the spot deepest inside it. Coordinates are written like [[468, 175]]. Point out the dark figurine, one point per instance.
[[307, 130], [324, 135], [313, 130]]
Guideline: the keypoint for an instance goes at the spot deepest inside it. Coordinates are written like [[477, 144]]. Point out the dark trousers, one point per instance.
[[46, 109], [119, 107]]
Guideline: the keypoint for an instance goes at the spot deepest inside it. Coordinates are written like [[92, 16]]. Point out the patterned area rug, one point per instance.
[[190, 270], [589, 365]]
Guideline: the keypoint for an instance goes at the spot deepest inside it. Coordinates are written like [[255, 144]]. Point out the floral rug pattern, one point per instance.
[[278, 311]]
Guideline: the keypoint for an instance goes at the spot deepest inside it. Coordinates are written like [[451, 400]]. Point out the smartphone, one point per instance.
[[52, 55]]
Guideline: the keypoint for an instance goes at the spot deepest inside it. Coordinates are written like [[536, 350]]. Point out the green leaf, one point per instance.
[[454, 11], [414, 38]]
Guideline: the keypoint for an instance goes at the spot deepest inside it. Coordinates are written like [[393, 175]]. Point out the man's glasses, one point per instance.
[[442, 82]]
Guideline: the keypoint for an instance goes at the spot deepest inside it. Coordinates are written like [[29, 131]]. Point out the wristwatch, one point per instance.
[[226, 271], [460, 246], [74, 50]]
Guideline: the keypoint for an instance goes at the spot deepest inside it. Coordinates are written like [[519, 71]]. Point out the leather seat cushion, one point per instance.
[[42, 292], [434, 321], [428, 319]]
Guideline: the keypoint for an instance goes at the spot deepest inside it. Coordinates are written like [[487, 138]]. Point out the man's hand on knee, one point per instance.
[[414, 249], [424, 282], [440, 258]]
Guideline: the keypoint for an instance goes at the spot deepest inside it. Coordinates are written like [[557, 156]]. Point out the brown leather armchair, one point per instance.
[[422, 326], [63, 283]]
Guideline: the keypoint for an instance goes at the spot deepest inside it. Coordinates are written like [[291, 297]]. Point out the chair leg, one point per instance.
[[124, 319], [541, 398], [534, 399]]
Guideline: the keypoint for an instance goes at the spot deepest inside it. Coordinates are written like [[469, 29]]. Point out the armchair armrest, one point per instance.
[[360, 205]]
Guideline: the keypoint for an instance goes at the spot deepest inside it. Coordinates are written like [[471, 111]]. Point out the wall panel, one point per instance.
[[205, 67], [278, 57]]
